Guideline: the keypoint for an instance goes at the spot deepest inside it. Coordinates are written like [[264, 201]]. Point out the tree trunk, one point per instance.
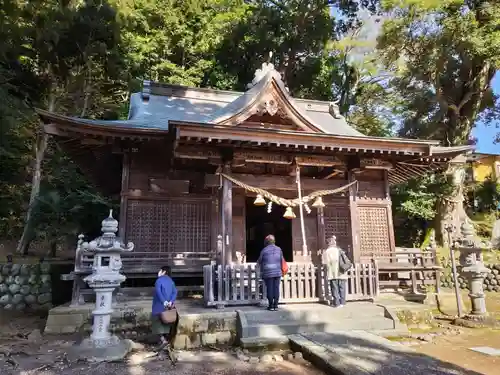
[[53, 248], [40, 148], [451, 209]]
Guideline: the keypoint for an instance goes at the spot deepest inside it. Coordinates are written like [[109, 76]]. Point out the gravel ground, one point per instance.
[[24, 351], [143, 362]]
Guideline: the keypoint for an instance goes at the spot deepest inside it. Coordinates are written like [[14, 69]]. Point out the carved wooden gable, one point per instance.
[[267, 105]]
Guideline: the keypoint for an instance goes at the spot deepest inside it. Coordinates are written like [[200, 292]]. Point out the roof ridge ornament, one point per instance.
[[334, 110], [266, 68], [146, 90]]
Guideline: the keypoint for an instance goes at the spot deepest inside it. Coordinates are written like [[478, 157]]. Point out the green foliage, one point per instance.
[[418, 198], [82, 58], [487, 196], [483, 223], [373, 115], [296, 32], [60, 55], [15, 149], [444, 55], [415, 207], [173, 41]]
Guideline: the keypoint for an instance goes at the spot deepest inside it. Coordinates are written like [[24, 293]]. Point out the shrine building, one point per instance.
[[204, 175]]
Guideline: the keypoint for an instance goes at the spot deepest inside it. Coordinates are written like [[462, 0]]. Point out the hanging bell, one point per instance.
[[289, 213], [318, 203], [259, 201]]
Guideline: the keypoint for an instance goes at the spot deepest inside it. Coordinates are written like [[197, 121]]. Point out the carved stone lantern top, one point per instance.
[[108, 242], [469, 238], [471, 250], [107, 261]]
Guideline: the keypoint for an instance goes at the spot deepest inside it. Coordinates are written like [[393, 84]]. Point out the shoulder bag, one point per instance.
[[284, 266], [344, 262]]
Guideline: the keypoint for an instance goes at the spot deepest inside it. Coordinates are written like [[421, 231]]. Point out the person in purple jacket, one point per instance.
[[270, 265], [164, 296]]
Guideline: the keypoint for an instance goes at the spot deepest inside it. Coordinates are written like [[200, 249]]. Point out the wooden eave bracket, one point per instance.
[[56, 124], [324, 142]]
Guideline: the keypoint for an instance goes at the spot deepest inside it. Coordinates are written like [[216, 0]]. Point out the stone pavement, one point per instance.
[[364, 353]]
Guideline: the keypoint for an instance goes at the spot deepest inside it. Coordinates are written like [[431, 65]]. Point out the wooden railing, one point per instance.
[[138, 265], [240, 284], [410, 269]]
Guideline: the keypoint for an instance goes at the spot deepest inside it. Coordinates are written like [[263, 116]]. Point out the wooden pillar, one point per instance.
[[392, 241], [353, 209], [227, 217], [123, 196], [321, 229], [215, 227]]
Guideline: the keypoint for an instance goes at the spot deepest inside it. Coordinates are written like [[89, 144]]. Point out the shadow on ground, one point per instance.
[[366, 352], [46, 356], [361, 351]]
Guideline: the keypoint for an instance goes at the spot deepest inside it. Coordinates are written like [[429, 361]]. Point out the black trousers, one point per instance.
[[273, 290]]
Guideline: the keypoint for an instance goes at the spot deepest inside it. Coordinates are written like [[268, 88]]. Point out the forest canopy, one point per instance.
[[412, 68]]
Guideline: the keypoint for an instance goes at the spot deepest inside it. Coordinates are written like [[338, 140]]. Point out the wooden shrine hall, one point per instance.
[[204, 175]]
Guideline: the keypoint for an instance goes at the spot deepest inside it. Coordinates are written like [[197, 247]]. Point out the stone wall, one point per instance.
[[207, 329], [491, 282], [25, 286], [199, 328]]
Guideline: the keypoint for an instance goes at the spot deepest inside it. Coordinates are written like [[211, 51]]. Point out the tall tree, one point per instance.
[[444, 54], [68, 47], [295, 31]]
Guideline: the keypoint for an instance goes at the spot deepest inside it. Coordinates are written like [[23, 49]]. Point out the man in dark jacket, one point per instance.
[[269, 261]]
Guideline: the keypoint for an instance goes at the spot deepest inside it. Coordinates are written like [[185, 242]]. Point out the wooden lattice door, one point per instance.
[[374, 230], [169, 226], [338, 223]]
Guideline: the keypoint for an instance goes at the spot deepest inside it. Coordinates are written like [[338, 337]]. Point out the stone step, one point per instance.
[[314, 314], [262, 328], [270, 330]]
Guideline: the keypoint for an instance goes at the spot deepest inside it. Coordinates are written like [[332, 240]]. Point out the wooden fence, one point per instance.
[[240, 284]]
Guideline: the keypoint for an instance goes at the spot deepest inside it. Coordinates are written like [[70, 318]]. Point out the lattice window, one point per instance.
[[374, 230], [169, 225], [338, 223]]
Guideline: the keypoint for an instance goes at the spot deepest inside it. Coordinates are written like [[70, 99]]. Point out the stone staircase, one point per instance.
[[259, 327]]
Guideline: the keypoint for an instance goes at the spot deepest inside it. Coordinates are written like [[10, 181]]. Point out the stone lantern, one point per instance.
[[105, 278], [474, 271]]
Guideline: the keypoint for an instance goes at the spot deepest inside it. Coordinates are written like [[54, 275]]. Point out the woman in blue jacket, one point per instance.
[[164, 297], [269, 261]]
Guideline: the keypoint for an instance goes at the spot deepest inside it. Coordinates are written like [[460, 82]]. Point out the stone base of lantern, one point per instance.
[[477, 321], [110, 350]]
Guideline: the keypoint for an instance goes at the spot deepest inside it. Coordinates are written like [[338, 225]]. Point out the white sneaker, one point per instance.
[[339, 306]]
